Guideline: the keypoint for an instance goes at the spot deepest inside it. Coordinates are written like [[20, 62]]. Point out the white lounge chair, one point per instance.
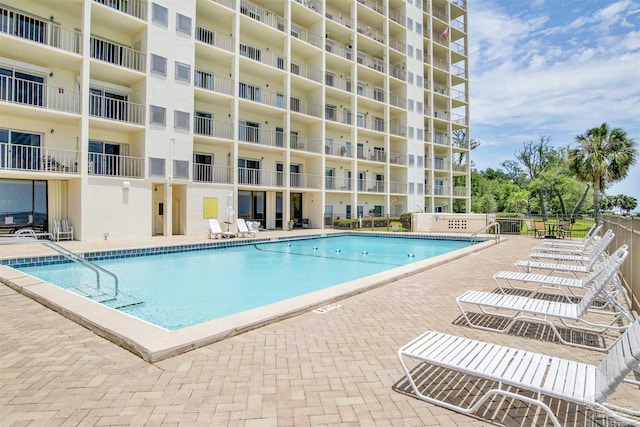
[[566, 285], [514, 308], [253, 226], [512, 371], [573, 250], [62, 230], [590, 256], [214, 229], [593, 232], [243, 230]]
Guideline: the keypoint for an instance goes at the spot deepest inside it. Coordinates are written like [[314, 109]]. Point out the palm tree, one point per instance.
[[604, 155]]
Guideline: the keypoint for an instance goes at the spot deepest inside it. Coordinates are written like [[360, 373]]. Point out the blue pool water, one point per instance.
[[186, 288]]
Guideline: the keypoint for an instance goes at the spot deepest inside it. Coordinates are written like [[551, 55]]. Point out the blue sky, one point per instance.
[[553, 68]]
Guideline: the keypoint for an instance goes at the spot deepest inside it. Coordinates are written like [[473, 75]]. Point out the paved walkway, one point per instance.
[[336, 368]]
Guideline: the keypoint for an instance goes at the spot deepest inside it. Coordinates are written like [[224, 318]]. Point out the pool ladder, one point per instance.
[[115, 300], [474, 236]]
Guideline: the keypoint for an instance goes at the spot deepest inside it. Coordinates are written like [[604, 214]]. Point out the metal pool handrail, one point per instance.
[[67, 254], [474, 236]]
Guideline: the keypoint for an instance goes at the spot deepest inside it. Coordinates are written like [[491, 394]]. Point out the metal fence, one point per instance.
[[627, 231]]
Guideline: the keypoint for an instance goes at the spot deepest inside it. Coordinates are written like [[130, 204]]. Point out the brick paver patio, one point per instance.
[[336, 368]]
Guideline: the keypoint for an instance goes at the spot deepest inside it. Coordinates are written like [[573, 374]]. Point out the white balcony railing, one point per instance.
[[137, 8], [304, 143], [210, 127], [209, 81], [212, 173], [259, 136], [116, 109], [339, 17], [302, 180], [337, 183], [377, 6], [305, 35], [398, 188], [302, 106], [304, 70], [336, 48], [260, 177], [259, 14], [114, 165], [341, 149], [117, 54], [37, 94], [37, 159], [214, 38], [38, 30]]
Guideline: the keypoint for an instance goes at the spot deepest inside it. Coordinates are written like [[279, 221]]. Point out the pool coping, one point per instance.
[[153, 343]]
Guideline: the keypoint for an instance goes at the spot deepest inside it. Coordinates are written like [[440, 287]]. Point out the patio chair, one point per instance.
[[540, 229], [243, 230], [253, 226], [513, 373], [539, 310], [533, 282], [530, 227], [586, 256], [573, 250], [214, 229], [62, 230]]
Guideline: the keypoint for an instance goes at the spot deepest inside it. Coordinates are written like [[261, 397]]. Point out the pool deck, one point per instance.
[[339, 367]]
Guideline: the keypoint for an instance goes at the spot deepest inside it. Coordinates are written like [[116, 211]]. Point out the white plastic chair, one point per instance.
[[214, 229], [62, 230]]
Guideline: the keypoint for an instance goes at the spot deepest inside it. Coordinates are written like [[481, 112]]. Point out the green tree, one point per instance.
[[535, 156], [603, 156], [628, 203]]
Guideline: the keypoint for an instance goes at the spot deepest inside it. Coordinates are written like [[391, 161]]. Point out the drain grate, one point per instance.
[[326, 308]]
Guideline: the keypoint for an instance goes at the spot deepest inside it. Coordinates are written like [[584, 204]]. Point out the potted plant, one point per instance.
[[291, 224], [395, 226]]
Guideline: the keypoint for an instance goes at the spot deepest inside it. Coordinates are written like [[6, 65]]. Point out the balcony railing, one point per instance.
[[212, 173], [398, 45], [259, 14], [398, 17], [231, 4], [371, 62], [303, 70], [460, 192], [377, 94], [209, 81], [397, 101], [302, 106], [339, 17], [377, 6], [462, 4], [311, 4], [370, 186], [116, 109], [440, 138], [260, 177], [397, 158], [114, 165], [262, 55], [214, 38], [37, 159], [372, 33], [302, 180], [376, 123], [459, 48], [261, 95], [340, 149], [38, 30], [303, 143], [305, 35], [398, 129], [337, 115], [256, 135], [459, 71], [338, 82], [137, 8], [210, 127], [37, 94], [398, 188], [398, 72], [117, 54], [459, 168], [337, 183], [440, 190], [458, 119], [339, 49]]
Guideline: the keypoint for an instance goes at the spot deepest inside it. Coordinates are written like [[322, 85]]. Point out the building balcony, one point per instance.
[[440, 190], [370, 186], [397, 45], [208, 81], [313, 5], [214, 38], [136, 8], [398, 17], [262, 55], [260, 178], [398, 188], [340, 149], [303, 143], [376, 6], [38, 30], [336, 48], [117, 54], [116, 109], [298, 105], [29, 158], [375, 124], [231, 4], [339, 17], [371, 33], [460, 192], [303, 180], [212, 173], [116, 166], [214, 128], [397, 159], [398, 129], [337, 184], [259, 14], [35, 94], [374, 63], [307, 72], [333, 80], [254, 135], [261, 95], [305, 35]]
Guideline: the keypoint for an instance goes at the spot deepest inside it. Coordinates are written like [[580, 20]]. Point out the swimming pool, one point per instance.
[[182, 289]]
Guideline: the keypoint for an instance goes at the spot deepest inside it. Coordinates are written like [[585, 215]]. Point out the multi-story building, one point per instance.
[[138, 118]]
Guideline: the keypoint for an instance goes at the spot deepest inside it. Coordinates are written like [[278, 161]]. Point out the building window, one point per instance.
[[183, 24], [419, 54], [183, 72], [410, 105], [420, 188], [409, 50], [158, 115], [105, 158], [412, 186], [410, 24], [418, 28], [203, 123], [410, 77], [420, 161], [419, 80], [159, 14], [181, 120], [419, 107], [410, 132], [22, 88], [420, 134], [159, 65], [181, 169], [202, 167], [411, 159], [156, 167]]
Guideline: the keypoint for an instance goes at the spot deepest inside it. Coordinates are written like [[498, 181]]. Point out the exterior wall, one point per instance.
[[448, 223], [282, 65]]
